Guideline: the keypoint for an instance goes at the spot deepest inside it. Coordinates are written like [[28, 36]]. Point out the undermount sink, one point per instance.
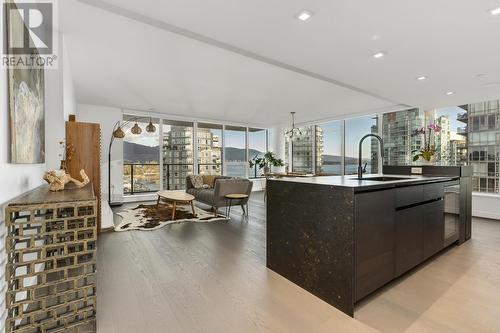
[[384, 178]]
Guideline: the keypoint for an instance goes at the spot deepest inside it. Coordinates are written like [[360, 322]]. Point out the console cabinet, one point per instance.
[[51, 261]]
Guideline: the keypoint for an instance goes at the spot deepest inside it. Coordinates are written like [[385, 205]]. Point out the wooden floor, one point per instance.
[[211, 277]]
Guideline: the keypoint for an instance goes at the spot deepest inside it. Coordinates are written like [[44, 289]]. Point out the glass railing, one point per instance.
[[210, 168], [236, 168], [174, 175], [145, 178], [140, 178]]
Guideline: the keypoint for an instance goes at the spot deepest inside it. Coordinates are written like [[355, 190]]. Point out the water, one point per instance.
[[350, 169]]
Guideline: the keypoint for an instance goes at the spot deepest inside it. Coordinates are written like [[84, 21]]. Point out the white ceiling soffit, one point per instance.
[[453, 43], [122, 62]]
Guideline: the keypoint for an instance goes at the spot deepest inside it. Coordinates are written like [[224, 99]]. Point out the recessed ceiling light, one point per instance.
[[422, 78], [304, 15], [495, 11], [378, 55], [449, 93], [491, 84]]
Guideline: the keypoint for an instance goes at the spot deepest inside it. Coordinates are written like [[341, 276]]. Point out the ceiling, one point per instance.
[[253, 62]]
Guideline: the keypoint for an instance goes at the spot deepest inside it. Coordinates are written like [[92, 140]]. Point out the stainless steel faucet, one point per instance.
[[360, 161]]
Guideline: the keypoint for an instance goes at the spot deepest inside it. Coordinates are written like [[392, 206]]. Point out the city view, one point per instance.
[[469, 135], [141, 172]]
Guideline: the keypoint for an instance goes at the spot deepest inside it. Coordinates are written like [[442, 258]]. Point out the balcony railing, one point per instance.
[[462, 130], [463, 117], [210, 168], [141, 178], [145, 178]]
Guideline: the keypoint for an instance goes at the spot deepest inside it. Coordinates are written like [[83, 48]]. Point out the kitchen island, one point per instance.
[[341, 238]]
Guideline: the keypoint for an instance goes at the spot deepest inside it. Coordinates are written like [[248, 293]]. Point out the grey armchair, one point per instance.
[[223, 185]]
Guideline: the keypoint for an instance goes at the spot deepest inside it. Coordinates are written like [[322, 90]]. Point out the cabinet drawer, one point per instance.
[[433, 191], [409, 195]]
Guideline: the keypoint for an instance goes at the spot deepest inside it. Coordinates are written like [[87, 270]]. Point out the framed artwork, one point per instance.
[[26, 107]]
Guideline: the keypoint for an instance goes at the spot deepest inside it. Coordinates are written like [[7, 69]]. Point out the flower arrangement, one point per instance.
[[428, 150]]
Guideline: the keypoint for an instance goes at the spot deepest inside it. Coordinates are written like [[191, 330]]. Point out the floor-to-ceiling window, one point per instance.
[[484, 144], [329, 148], [209, 137], [141, 158], [177, 153], [355, 129], [235, 154], [401, 143], [257, 147], [397, 129], [218, 150], [302, 146]]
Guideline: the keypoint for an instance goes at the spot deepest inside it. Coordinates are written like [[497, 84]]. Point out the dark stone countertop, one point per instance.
[[365, 184]]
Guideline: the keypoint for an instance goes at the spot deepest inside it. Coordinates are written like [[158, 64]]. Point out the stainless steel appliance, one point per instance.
[[451, 213]]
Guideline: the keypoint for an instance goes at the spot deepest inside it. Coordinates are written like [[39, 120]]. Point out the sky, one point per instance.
[[355, 129], [452, 112]]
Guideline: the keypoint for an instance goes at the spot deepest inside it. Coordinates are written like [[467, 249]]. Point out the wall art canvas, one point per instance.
[[26, 109]]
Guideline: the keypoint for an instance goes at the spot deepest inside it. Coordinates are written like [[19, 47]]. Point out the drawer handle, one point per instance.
[[418, 204]]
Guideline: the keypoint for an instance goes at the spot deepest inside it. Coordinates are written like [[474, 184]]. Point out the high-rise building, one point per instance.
[[457, 149], [399, 144], [209, 153], [483, 136], [178, 155], [303, 146], [442, 141]]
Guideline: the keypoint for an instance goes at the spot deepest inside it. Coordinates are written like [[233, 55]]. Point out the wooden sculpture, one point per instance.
[[58, 179]]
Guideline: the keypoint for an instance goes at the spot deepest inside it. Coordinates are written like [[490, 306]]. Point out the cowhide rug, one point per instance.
[[148, 217]]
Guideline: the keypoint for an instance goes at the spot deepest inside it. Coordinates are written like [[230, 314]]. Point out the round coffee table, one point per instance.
[[175, 197]]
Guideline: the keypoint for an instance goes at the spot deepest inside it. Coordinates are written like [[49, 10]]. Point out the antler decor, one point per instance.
[[58, 179]]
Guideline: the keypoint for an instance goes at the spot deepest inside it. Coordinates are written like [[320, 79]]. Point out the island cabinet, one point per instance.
[[395, 230], [341, 238]]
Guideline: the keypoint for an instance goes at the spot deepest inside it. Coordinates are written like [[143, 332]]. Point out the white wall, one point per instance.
[[69, 101], [486, 205], [277, 145], [14, 179]]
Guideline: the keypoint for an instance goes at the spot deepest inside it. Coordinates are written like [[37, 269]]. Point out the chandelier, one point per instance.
[[294, 131]]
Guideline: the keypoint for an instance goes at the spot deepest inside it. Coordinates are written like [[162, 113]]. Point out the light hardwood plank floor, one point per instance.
[[211, 277]]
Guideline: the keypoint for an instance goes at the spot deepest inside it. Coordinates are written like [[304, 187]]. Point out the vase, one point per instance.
[[432, 161]]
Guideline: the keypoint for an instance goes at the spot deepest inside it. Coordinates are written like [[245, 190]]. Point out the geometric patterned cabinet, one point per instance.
[[51, 261]]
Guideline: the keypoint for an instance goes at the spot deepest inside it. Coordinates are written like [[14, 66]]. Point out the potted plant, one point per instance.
[[428, 151], [265, 162]]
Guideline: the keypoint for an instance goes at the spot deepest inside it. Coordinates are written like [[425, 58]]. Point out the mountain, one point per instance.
[[136, 153], [335, 159], [238, 154]]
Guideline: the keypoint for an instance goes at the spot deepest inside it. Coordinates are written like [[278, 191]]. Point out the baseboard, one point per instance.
[[486, 215]]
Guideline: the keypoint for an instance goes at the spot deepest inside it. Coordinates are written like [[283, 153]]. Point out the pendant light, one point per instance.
[[119, 133], [294, 131], [150, 128], [136, 129]]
